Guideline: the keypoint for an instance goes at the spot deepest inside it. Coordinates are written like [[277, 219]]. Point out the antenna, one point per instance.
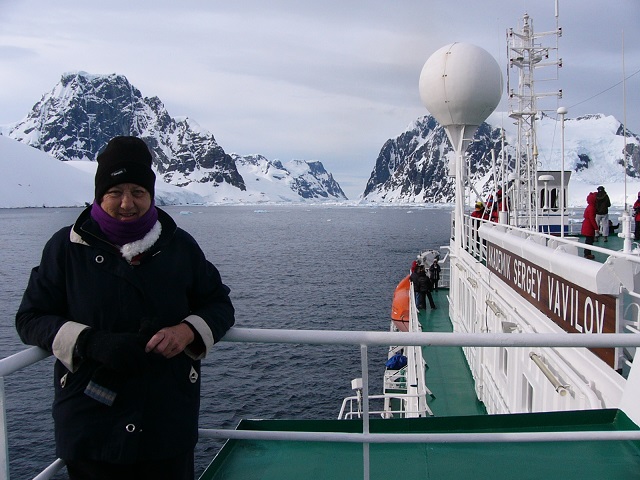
[[526, 56], [624, 126]]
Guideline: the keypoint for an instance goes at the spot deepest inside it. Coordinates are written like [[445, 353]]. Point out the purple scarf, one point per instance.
[[119, 232]]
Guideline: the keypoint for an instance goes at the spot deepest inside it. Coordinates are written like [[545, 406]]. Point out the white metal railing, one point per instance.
[[366, 339], [8, 366], [347, 410], [427, 339], [395, 378], [32, 355], [474, 244], [631, 435]]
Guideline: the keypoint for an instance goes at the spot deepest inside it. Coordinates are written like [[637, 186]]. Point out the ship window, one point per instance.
[[469, 312], [527, 395], [503, 360], [554, 199], [549, 199]]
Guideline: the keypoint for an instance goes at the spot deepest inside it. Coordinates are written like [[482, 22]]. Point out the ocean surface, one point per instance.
[[293, 267]]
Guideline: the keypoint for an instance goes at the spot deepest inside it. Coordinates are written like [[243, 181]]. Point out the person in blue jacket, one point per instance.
[[128, 304]]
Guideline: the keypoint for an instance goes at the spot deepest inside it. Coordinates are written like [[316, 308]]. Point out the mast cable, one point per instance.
[[606, 90]]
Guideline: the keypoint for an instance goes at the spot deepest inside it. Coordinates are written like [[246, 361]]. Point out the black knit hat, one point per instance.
[[124, 160]]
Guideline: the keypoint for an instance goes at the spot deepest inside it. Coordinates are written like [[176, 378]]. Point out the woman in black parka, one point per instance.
[[128, 304]]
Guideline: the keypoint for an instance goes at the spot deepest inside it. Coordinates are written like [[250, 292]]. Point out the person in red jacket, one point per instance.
[[477, 215], [491, 210], [636, 217], [589, 224], [478, 212]]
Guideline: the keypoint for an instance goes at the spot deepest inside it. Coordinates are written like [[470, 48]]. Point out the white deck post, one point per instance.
[[364, 359], [4, 448]]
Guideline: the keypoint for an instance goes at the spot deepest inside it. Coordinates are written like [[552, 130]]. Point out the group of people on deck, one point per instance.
[[493, 206], [596, 223]]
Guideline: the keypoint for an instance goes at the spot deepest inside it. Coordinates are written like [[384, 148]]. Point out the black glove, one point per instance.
[[120, 352], [148, 328]]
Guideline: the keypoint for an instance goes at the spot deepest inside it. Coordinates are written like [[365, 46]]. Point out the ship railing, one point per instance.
[[473, 243], [631, 323], [445, 275], [416, 366], [352, 407], [395, 379], [14, 363]]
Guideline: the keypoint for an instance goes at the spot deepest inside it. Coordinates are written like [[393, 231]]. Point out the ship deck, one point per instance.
[[613, 243], [447, 374], [269, 460], [456, 409]]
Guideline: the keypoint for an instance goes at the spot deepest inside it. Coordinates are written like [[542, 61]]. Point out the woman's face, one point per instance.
[[126, 202]]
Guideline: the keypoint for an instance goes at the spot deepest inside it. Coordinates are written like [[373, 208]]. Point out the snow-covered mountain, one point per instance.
[[32, 178], [304, 179], [76, 119], [82, 112], [414, 166]]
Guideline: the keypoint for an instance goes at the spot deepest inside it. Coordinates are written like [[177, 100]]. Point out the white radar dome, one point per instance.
[[461, 84]]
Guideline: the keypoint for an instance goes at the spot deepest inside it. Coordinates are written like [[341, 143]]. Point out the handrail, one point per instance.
[[50, 471], [430, 339], [33, 355], [22, 359], [354, 398], [471, 230], [586, 436]]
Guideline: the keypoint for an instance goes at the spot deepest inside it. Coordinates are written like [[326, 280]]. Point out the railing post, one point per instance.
[[4, 447], [364, 359]]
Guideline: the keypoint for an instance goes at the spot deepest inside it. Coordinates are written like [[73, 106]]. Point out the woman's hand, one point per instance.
[[170, 341]]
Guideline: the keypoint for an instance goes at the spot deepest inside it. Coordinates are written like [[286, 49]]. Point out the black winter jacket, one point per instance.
[[602, 203], [424, 283], [83, 280]]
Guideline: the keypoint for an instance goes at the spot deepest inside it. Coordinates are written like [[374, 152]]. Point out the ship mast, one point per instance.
[[526, 54]]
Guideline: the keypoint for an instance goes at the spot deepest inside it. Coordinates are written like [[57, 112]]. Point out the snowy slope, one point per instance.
[[32, 178]]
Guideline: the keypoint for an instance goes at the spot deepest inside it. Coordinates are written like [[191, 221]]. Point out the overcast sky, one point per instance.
[[328, 81]]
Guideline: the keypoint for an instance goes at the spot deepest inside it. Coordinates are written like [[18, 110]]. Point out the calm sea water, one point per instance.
[[300, 267]]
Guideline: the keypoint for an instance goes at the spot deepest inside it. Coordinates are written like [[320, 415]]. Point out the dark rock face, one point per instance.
[[414, 167]]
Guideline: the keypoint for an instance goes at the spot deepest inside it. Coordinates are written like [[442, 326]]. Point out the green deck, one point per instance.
[[448, 375], [613, 242], [456, 409], [266, 460]]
